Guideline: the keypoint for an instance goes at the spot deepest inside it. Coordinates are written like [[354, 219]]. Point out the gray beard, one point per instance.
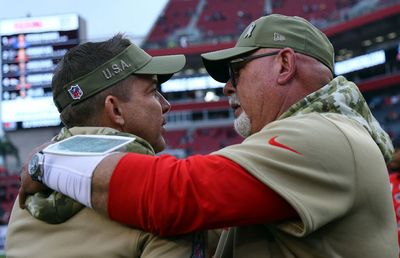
[[242, 125]]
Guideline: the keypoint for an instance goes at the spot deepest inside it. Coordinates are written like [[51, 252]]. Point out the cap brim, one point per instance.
[[216, 63], [163, 66]]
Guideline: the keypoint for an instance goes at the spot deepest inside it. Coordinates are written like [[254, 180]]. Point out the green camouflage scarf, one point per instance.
[[343, 97], [53, 207]]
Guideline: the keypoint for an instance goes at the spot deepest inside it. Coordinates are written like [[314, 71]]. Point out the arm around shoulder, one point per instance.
[[101, 180]]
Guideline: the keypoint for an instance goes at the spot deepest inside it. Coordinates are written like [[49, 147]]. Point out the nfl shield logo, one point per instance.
[[75, 91]]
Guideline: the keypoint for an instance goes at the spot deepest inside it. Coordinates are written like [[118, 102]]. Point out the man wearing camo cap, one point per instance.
[[309, 180], [107, 88]]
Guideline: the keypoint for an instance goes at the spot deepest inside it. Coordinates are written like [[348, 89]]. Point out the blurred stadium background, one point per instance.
[[365, 34]]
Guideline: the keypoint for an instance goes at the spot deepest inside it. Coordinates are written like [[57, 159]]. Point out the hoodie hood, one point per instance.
[[343, 97]]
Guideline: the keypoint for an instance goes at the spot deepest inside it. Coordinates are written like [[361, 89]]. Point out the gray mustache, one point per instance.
[[234, 100]]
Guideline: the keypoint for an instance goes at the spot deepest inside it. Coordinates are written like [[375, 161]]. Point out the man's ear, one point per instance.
[[114, 110], [287, 59]]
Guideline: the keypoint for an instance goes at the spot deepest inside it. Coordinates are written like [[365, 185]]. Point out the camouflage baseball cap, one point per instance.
[[132, 60], [273, 31]]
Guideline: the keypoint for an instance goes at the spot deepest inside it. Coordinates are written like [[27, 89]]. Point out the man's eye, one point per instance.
[[236, 68], [236, 72]]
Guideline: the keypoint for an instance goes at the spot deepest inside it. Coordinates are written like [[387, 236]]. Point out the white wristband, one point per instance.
[[71, 175]]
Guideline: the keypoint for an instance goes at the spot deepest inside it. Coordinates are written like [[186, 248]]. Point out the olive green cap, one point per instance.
[[132, 60], [272, 31]]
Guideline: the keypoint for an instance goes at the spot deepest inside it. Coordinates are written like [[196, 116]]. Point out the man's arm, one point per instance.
[[101, 180], [170, 196]]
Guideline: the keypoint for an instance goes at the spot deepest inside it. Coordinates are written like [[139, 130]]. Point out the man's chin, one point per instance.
[[160, 145], [242, 125]]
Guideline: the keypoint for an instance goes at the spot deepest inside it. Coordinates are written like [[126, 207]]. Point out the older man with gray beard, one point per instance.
[[309, 180]]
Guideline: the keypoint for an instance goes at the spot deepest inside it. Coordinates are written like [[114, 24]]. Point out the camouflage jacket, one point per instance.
[[53, 207], [343, 97]]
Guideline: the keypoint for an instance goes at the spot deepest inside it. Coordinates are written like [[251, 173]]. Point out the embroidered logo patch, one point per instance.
[[250, 30], [273, 142], [279, 37], [75, 91]]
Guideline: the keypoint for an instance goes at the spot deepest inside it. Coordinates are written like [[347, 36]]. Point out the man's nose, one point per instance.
[[165, 105], [228, 88]]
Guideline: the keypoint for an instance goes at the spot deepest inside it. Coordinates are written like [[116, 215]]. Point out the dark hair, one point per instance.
[[79, 61]]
